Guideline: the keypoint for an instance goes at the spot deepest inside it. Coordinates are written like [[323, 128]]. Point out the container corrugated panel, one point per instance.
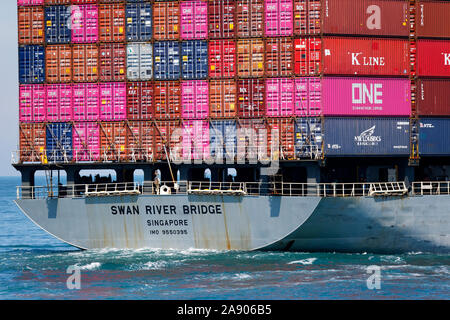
[[58, 141], [221, 19], [279, 57], [433, 97], [57, 20], [167, 20], [112, 59], [432, 19], [167, 95], [86, 101], [140, 101], [223, 139], [279, 18], [251, 98], [85, 63], [139, 18], [134, 136], [194, 99], [433, 58], [222, 99], [194, 19], [165, 134], [148, 140], [139, 61], [366, 136], [194, 56], [84, 24], [86, 141], [167, 60], [58, 102], [433, 136], [308, 56], [307, 17], [250, 18], [113, 140], [32, 142], [250, 57], [222, 59], [283, 130], [31, 25], [111, 22], [85, 1], [366, 17], [252, 139], [308, 137], [51, 2], [358, 96], [195, 145], [366, 56], [32, 103], [113, 101], [308, 97], [30, 2], [31, 64], [58, 63], [280, 97]]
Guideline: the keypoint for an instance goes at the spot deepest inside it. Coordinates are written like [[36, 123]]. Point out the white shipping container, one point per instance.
[[139, 61]]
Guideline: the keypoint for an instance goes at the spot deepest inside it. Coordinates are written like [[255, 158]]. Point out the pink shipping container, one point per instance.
[[59, 102], [366, 97], [86, 102], [194, 19], [30, 2], [194, 99], [85, 24], [308, 97], [195, 139], [279, 18], [86, 141], [113, 101], [280, 97], [32, 103]]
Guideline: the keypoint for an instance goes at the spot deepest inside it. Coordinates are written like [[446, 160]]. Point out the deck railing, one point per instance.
[[430, 188]]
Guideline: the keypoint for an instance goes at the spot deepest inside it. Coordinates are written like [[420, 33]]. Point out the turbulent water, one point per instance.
[[33, 265]]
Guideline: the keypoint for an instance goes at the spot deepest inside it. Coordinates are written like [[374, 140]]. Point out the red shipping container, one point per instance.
[[222, 99], [31, 25], [147, 140], [251, 98], [168, 134], [366, 17], [433, 97], [222, 59], [166, 17], [112, 59], [51, 2], [32, 142], [167, 95], [112, 22], [307, 56], [113, 141], [221, 19], [58, 63], [366, 56], [279, 57], [433, 58], [250, 57], [140, 101], [433, 19], [281, 138], [134, 150], [85, 63], [250, 18], [252, 139], [86, 102], [307, 17]]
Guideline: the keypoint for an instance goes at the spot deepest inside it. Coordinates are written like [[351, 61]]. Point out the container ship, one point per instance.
[[306, 125]]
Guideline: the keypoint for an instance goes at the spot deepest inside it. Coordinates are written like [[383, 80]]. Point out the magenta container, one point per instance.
[[86, 102], [194, 99], [194, 19], [308, 97], [279, 18], [84, 23], [32, 103], [59, 102], [366, 96], [86, 141], [30, 2], [113, 101], [195, 139], [280, 97]]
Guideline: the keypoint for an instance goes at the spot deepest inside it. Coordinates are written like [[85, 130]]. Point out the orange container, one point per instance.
[[250, 57], [222, 99], [166, 134], [32, 142], [31, 25], [113, 141], [279, 57], [281, 129], [111, 22], [85, 63], [166, 17], [58, 63], [167, 97]]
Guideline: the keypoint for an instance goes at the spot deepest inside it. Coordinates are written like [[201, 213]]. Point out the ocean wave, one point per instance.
[[307, 261], [91, 266]]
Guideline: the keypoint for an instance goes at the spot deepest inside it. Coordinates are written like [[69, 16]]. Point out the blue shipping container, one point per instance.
[[31, 64], [166, 60], [308, 137], [57, 24], [194, 56], [59, 141], [222, 137], [366, 136], [433, 136], [139, 19]]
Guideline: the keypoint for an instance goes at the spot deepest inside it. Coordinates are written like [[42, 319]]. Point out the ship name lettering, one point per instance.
[[202, 209], [125, 210], [164, 209]]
